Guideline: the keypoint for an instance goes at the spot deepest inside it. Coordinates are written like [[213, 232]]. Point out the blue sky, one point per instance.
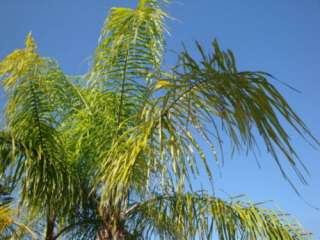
[[279, 36]]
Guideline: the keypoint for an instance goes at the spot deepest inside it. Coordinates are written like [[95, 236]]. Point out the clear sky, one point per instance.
[[281, 37]]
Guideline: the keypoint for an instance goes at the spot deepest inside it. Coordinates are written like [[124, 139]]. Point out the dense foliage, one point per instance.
[[113, 154]]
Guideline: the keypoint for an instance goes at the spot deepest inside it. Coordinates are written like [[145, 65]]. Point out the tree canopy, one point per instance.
[[113, 154]]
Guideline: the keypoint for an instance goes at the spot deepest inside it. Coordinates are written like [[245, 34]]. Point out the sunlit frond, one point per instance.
[[7, 227], [208, 99], [32, 114], [213, 98], [130, 49], [200, 216], [10, 228]]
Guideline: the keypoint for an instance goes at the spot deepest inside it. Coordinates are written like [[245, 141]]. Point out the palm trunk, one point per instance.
[[113, 227], [50, 226], [107, 234]]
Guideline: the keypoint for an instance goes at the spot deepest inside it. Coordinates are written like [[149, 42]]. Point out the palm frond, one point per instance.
[[213, 93], [7, 223], [130, 49], [30, 83], [200, 216], [209, 99], [10, 228]]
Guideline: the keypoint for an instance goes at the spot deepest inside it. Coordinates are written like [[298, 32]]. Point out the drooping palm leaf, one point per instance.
[[212, 97], [200, 216], [208, 99]]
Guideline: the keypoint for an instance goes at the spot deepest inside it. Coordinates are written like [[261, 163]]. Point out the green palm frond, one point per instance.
[[208, 99], [84, 220], [200, 216], [130, 49], [6, 148], [31, 84], [212, 93]]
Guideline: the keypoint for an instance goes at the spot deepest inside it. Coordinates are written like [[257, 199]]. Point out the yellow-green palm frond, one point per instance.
[[130, 50], [200, 216], [208, 99], [34, 86], [212, 98], [131, 41], [131, 169], [9, 227], [6, 222], [19, 63]]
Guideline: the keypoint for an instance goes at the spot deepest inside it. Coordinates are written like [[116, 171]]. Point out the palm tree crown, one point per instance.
[[112, 154]]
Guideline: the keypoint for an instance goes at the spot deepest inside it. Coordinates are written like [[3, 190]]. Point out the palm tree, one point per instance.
[[112, 154]]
